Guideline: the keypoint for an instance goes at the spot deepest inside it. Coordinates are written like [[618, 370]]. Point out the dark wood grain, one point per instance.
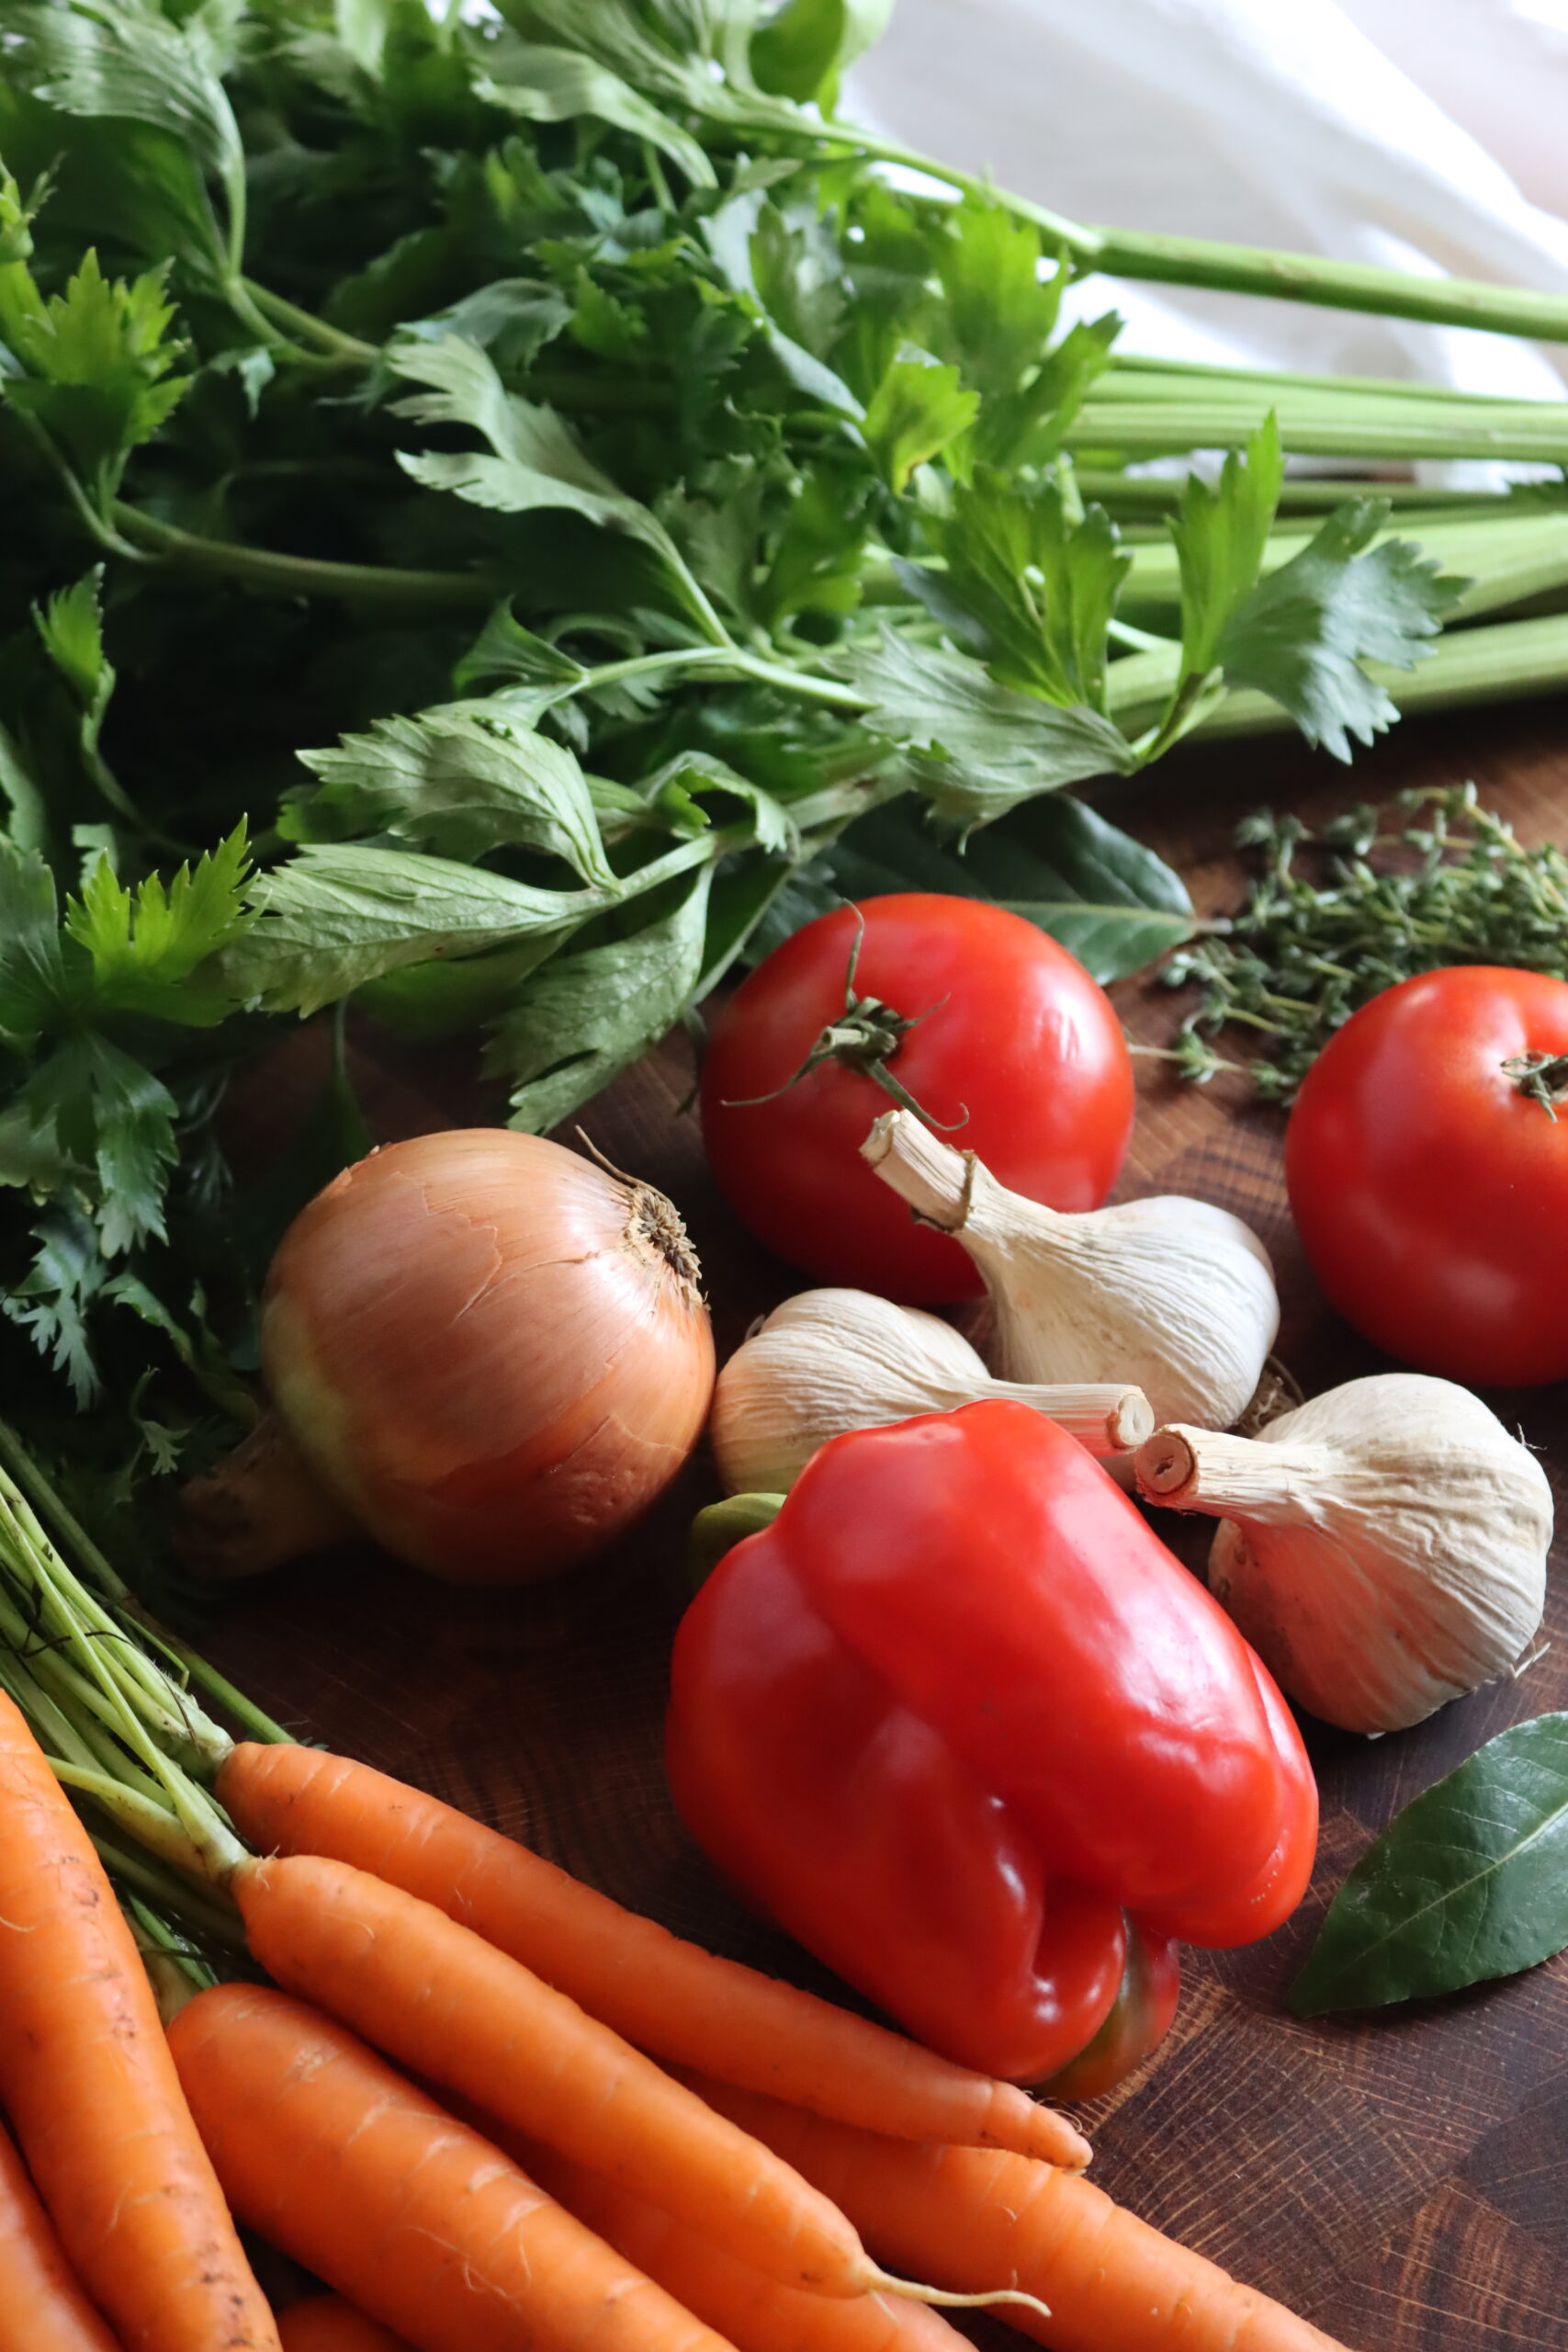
[[1403, 2180]]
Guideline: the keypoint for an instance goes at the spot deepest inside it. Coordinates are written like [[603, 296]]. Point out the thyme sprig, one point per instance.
[[1336, 916]]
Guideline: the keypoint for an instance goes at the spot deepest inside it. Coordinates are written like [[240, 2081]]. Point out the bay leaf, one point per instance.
[[1470, 1882]]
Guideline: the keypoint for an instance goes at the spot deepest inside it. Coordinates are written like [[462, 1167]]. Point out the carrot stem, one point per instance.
[[68, 1530]]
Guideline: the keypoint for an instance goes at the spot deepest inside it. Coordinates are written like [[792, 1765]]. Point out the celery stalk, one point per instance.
[[1507, 560], [1505, 662]]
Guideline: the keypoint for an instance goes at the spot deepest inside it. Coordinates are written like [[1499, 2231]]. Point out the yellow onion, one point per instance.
[[492, 1354]]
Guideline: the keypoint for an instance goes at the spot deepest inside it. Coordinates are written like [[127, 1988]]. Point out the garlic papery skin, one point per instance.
[[835, 1360], [1382, 1547], [1173, 1294]]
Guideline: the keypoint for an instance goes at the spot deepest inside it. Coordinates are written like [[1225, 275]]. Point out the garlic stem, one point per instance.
[[1174, 1294], [937, 1182], [1224, 1475], [1104, 1417]]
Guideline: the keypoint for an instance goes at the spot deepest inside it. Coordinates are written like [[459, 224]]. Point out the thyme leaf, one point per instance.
[[1332, 917]]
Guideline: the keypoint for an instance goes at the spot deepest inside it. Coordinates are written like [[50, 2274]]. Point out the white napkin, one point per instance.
[[1427, 134]]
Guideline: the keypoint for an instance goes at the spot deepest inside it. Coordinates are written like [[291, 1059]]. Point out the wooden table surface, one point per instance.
[[1401, 2180]]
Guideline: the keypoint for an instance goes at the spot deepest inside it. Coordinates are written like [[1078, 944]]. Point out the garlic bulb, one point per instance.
[[1173, 1294], [1382, 1548], [835, 1359]]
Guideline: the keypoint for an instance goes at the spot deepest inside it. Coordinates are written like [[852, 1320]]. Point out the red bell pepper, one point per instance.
[[961, 1723]]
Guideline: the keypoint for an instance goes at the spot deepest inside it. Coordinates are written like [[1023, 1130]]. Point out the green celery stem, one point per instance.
[[297, 575], [1508, 663], [1334, 285]]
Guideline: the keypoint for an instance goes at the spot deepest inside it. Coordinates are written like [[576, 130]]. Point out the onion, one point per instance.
[[492, 1354]]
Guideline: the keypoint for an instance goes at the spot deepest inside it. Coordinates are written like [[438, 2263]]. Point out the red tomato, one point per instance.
[[1431, 1194], [1014, 1046]]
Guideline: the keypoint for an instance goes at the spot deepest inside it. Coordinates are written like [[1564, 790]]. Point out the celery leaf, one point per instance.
[[458, 781], [590, 1014], [1301, 635], [1220, 532], [980, 748]]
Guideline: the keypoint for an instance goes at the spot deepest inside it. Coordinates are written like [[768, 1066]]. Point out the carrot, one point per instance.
[[326, 2324], [42, 2307], [741, 2303], [666, 1995], [969, 2214], [410, 2214], [441, 2001], [86, 2080]]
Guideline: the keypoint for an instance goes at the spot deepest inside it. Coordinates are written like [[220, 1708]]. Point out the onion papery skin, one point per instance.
[[492, 1352]]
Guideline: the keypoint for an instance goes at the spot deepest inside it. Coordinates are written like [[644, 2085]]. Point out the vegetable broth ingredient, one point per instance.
[[667, 1995], [1040, 1712], [337, 2161], [326, 2324], [112, 2148], [741, 2303], [635, 488], [834, 1360], [1428, 1171], [444, 2003], [42, 2307], [493, 1353], [968, 1012], [1173, 1295], [1335, 917], [1470, 1882], [1113, 2284], [1383, 1547]]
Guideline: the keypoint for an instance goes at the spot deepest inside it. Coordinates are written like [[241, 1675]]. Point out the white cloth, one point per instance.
[[1427, 134]]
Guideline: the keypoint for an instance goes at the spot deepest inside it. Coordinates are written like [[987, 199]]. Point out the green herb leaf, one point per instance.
[[806, 45], [1028, 426], [458, 781], [504, 650], [1332, 920], [52, 1300], [985, 748], [1000, 313], [544, 85], [135, 63], [588, 1015], [535, 461], [731, 236], [334, 917], [1041, 589], [97, 361], [71, 629], [149, 947], [27, 826], [1220, 535], [917, 408], [1302, 633], [33, 982], [691, 773], [91, 1109], [1468, 1881]]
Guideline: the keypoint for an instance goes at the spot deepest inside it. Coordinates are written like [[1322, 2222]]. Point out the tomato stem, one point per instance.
[[864, 1039], [1542, 1077]]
